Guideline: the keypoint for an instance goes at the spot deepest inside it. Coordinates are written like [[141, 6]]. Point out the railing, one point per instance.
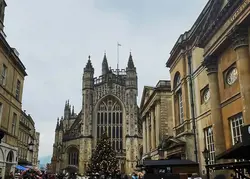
[[185, 127]]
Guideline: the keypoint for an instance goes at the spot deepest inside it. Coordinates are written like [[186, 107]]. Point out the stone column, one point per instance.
[[240, 39], [148, 134], [152, 128], [157, 123], [211, 64], [144, 136]]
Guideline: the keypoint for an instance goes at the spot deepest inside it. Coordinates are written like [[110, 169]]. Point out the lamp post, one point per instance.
[[31, 145], [206, 157], [161, 154]]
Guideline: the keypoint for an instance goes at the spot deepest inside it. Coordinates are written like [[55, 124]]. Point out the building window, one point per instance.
[[236, 122], [209, 143], [180, 103], [14, 121], [109, 120], [18, 87], [3, 75], [73, 156]]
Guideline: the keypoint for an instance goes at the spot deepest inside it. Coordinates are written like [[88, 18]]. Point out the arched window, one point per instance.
[[10, 156], [177, 80], [178, 97], [73, 156], [109, 120]]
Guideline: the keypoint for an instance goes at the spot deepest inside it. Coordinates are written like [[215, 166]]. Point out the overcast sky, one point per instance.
[[55, 37]]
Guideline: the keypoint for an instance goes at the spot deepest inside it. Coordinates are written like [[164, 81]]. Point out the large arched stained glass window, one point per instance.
[[109, 120]]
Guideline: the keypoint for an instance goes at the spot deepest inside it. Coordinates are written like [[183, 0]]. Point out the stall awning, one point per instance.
[[168, 163], [239, 150], [19, 167]]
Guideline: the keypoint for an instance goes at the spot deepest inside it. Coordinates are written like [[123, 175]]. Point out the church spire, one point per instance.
[[73, 111], [130, 62], [57, 124], [105, 67], [89, 66]]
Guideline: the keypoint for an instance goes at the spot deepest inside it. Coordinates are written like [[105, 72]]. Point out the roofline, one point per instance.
[[189, 34], [156, 89], [13, 56]]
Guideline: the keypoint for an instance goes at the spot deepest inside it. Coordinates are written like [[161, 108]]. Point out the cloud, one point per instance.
[[55, 37]]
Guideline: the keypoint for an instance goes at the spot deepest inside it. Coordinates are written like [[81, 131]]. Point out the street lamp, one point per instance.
[[31, 145], [161, 154], [206, 157]]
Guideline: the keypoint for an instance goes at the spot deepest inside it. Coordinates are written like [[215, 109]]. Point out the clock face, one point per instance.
[[206, 95], [232, 76]]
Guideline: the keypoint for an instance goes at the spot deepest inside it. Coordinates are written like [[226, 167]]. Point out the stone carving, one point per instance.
[[239, 36], [211, 64]]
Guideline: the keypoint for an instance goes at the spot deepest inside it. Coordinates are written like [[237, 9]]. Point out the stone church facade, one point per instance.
[[109, 104]]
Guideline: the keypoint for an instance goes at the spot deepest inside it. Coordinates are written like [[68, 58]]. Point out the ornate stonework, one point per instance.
[[211, 64], [239, 36], [109, 104]]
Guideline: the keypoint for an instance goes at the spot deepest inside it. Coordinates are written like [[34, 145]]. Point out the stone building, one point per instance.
[[156, 114], [35, 160], [28, 141], [109, 103], [25, 137], [11, 90], [213, 58]]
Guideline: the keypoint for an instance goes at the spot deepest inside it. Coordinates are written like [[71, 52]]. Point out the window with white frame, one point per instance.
[[209, 139], [3, 75], [181, 115], [236, 122]]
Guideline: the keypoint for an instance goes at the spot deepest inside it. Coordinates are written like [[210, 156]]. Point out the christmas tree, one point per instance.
[[104, 157]]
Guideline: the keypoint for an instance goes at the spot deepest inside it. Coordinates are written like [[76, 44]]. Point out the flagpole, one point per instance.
[[118, 55]]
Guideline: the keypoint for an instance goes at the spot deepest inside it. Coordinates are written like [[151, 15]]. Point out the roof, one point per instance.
[[239, 150], [169, 163], [13, 56], [187, 35]]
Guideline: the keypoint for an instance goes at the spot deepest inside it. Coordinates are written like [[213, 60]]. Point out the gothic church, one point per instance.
[[109, 104]]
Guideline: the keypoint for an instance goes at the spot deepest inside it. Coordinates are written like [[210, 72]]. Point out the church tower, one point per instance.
[[109, 104], [132, 136], [87, 109]]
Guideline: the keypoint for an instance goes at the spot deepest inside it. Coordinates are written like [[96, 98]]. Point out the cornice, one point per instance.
[[154, 99], [189, 38], [8, 50], [215, 24]]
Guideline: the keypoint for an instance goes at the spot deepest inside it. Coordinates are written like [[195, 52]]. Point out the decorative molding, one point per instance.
[[220, 19], [239, 36], [211, 64]]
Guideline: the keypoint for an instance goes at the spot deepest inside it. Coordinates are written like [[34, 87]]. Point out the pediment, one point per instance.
[[172, 142], [147, 91]]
